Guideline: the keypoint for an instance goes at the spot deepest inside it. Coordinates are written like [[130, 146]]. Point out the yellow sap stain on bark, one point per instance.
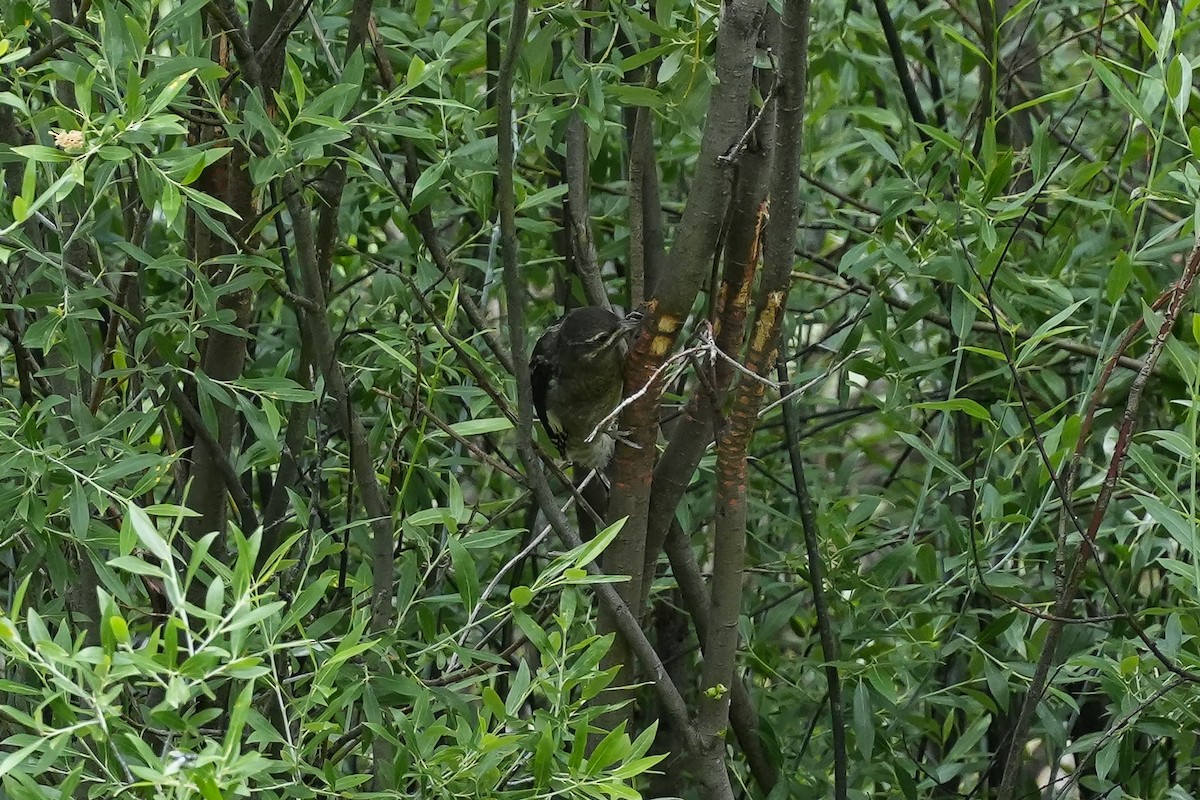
[[743, 295], [666, 326], [766, 323]]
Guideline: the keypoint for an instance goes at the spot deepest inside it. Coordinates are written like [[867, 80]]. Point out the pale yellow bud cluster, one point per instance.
[[71, 141]]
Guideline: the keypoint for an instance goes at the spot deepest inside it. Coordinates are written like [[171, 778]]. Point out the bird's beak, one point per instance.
[[633, 321]]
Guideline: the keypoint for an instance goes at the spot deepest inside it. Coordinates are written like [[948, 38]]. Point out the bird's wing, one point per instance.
[[541, 374]]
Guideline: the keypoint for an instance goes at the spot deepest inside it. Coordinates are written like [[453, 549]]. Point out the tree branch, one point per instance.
[[579, 220], [896, 49], [624, 620], [1174, 299], [57, 40], [816, 573], [732, 450], [701, 419], [743, 716], [675, 290]]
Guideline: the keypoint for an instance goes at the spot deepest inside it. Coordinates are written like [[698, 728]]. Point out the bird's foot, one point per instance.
[[623, 438]]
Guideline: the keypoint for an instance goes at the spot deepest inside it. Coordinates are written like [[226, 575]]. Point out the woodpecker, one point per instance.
[[577, 381]]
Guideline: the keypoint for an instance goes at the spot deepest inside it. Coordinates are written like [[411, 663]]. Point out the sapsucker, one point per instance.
[[577, 381]]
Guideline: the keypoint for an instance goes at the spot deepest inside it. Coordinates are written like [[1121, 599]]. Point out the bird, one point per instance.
[[577, 380]]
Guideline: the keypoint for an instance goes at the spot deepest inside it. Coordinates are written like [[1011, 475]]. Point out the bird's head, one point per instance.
[[590, 332]]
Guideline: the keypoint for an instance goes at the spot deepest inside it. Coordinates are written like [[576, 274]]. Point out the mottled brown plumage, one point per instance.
[[577, 381]]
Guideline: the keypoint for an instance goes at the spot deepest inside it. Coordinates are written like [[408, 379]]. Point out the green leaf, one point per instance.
[[638, 766], [171, 202], [938, 461], [542, 198], [416, 71], [1119, 277], [237, 719], [968, 739], [493, 703], [422, 11], [135, 566], [282, 389], [465, 574], [17, 756], [1166, 34], [627, 95], [1115, 85], [963, 404], [590, 551], [1107, 758], [37, 628], [399, 357], [1181, 529], [1050, 328], [543, 758], [168, 93], [71, 177], [214, 598], [612, 748], [119, 628], [423, 189], [114, 152], [207, 786], [297, 79], [147, 533], [430, 516], [460, 36], [479, 427], [519, 690], [170, 510], [864, 721], [905, 779], [670, 66], [41, 153], [81, 517], [208, 201], [255, 615], [1179, 85], [11, 100], [644, 57]]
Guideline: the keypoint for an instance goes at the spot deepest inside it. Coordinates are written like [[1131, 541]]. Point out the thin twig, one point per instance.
[[979, 326], [734, 154], [286, 24], [824, 376], [626, 622], [512, 562], [816, 570], [58, 40], [603, 424], [249, 520], [1063, 481], [448, 429]]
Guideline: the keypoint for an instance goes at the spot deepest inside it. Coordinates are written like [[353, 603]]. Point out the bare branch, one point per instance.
[[672, 296], [625, 621], [729, 552], [579, 212], [816, 578]]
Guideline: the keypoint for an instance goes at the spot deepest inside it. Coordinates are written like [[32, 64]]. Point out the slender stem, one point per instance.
[[816, 573]]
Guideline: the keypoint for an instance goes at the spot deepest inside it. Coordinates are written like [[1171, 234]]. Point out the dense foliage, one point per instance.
[[912, 513]]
